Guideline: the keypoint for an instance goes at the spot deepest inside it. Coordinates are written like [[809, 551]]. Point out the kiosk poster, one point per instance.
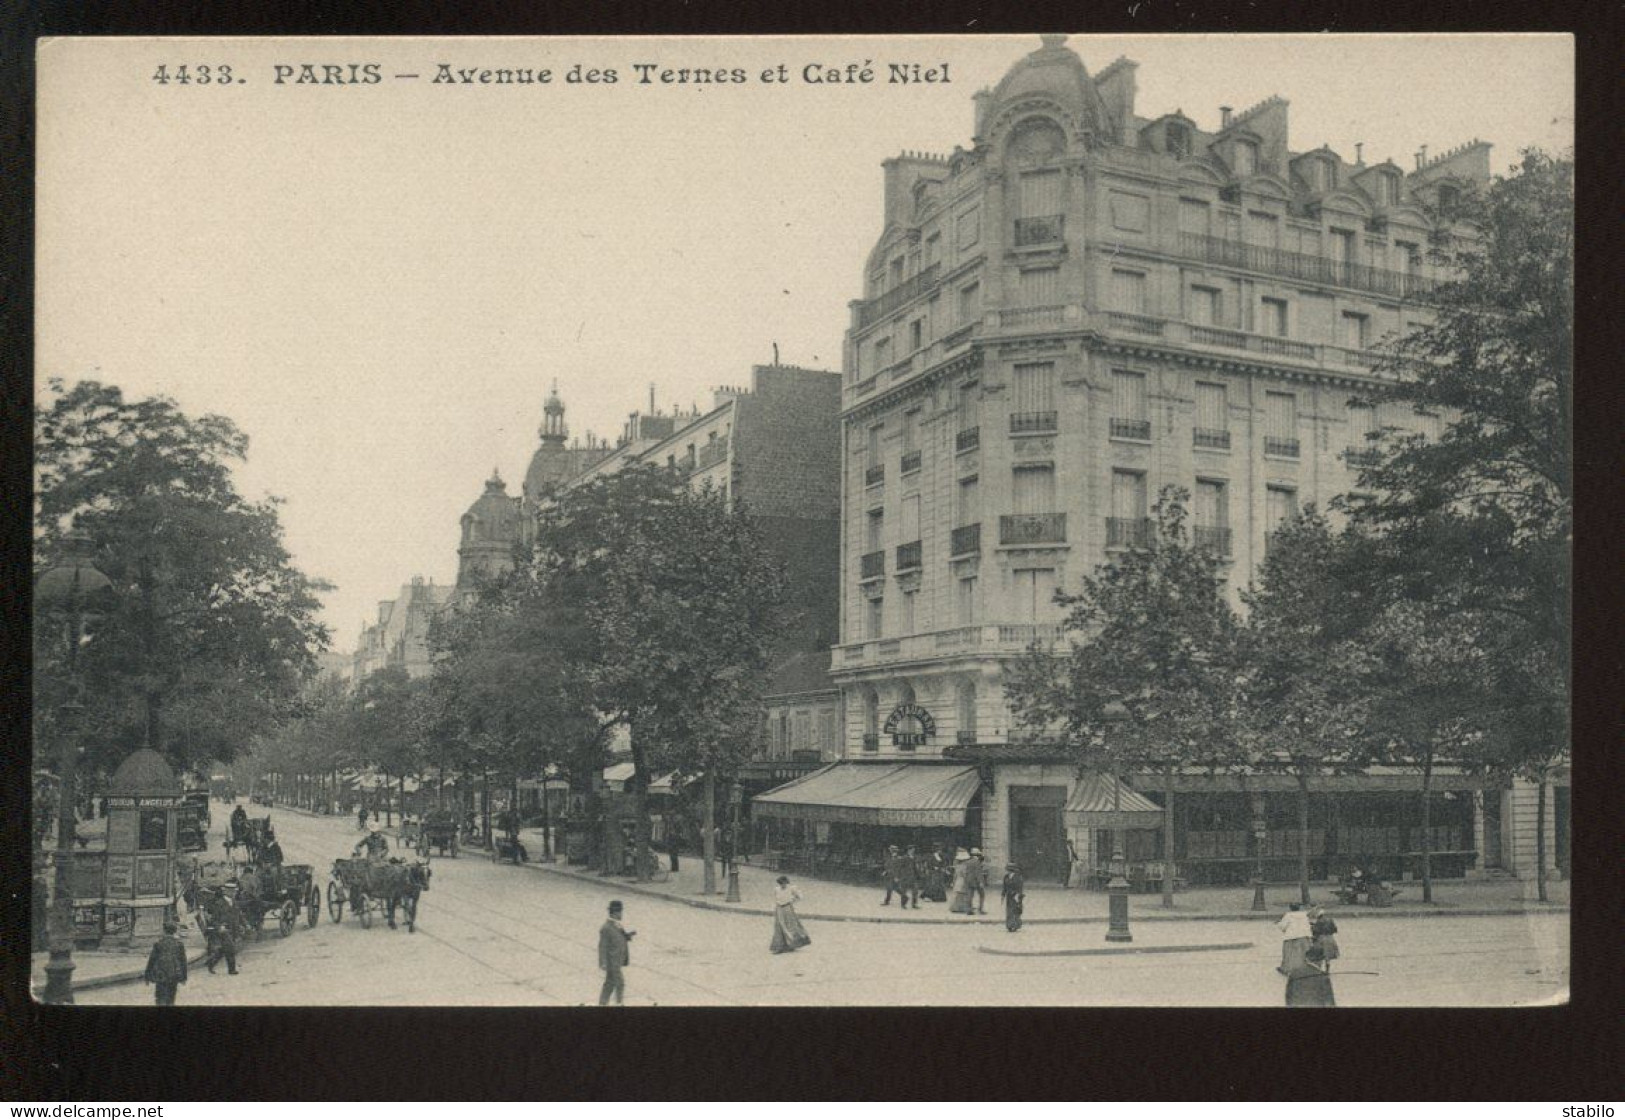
[[116, 921], [120, 876], [151, 876]]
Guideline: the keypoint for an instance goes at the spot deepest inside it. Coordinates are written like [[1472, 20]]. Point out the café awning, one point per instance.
[[1095, 803], [905, 794]]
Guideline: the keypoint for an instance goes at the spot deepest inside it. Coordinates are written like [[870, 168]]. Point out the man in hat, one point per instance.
[[978, 880], [226, 925], [614, 954], [166, 966], [893, 871], [374, 845]]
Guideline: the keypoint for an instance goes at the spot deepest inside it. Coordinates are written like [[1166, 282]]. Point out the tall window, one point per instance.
[[1281, 424], [1034, 594], [1272, 317], [872, 448], [1035, 390], [826, 733], [1128, 395], [1407, 257], [1212, 507], [967, 405], [916, 335], [1035, 489], [871, 716], [966, 605], [882, 353], [1205, 306], [1263, 229], [1196, 217], [1040, 287], [1280, 505], [1362, 425], [1128, 291], [1340, 243], [877, 619], [908, 612], [874, 531], [1040, 194], [970, 227], [1246, 158], [1212, 409], [1356, 330], [911, 519], [1128, 495], [911, 431], [1179, 141], [966, 697], [967, 508], [970, 303]]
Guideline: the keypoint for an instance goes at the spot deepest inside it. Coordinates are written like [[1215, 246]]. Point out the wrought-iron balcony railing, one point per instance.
[[1213, 538], [1215, 439], [1130, 429], [1032, 528], [872, 311], [1281, 447], [968, 440], [875, 475], [1022, 423], [1040, 231], [872, 565], [965, 540], [910, 464], [1302, 266], [1128, 532], [908, 557]]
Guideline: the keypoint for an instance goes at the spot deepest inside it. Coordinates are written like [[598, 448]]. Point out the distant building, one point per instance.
[[400, 634], [1084, 307]]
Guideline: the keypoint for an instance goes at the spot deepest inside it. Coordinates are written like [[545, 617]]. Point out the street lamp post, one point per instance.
[[1260, 833], [734, 797], [71, 589], [1115, 715]]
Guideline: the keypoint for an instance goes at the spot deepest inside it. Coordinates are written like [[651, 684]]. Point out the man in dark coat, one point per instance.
[[908, 878], [239, 825], [893, 871], [225, 927], [614, 954], [166, 966], [1015, 897], [977, 878]]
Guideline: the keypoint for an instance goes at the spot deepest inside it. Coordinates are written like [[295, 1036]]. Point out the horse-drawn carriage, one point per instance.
[[374, 886], [192, 821], [252, 835], [284, 891], [438, 831]]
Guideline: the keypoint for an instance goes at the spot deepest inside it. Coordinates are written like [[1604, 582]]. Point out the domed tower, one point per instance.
[[1051, 79], [552, 464], [490, 532]]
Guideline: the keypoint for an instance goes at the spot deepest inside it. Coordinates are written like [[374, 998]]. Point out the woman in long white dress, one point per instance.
[[1296, 935], [788, 932]]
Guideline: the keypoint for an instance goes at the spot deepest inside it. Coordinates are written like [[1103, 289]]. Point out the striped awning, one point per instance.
[[618, 775], [905, 794], [1095, 803]]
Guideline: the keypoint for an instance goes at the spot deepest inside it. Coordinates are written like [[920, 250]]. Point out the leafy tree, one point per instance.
[[1151, 630], [212, 629], [1305, 671], [1479, 522], [679, 600]]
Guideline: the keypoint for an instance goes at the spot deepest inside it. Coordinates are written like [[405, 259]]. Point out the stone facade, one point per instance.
[[400, 634]]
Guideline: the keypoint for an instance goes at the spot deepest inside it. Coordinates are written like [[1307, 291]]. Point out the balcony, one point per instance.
[[1302, 266], [1212, 538], [1008, 639], [1026, 317], [1032, 528], [1281, 447], [908, 291], [1026, 634], [1214, 439], [874, 476], [968, 440], [1274, 344], [965, 540], [1134, 324], [1030, 423], [1048, 230], [910, 464], [1131, 429], [872, 565], [1128, 532], [908, 557]]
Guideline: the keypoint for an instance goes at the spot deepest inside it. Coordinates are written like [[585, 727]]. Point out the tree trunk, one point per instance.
[[384, 791], [440, 789], [1540, 838], [547, 821], [485, 808], [1427, 823], [1303, 838], [642, 861], [708, 820], [1168, 846]]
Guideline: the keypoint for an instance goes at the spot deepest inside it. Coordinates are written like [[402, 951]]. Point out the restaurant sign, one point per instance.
[[909, 725]]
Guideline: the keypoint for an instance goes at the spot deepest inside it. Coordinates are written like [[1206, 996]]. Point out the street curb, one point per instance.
[[1226, 946], [1240, 915], [119, 977]]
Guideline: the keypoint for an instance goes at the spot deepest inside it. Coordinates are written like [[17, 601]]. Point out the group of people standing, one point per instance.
[[1308, 948], [962, 884]]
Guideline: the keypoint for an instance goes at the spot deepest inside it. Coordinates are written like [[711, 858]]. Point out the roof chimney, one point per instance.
[[1224, 116], [1421, 156], [651, 398], [1359, 151]]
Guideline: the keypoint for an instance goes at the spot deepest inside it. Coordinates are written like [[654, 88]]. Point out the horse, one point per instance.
[[399, 884]]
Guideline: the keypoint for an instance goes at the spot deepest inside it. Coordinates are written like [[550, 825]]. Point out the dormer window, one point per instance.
[[1179, 140], [1246, 158], [1390, 190]]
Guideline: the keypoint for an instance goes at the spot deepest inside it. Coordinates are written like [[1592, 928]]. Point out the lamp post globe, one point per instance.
[[73, 592], [1114, 716]]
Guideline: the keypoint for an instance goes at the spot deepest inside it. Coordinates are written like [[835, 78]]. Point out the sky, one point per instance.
[[379, 282]]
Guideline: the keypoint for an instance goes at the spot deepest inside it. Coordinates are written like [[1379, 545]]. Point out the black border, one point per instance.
[[891, 1056]]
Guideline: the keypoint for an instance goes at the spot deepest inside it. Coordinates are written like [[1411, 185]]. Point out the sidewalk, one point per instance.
[[102, 968], [825, 900]]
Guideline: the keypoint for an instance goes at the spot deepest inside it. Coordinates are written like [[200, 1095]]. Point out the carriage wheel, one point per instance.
[[409, 903], [289, 915], [335, 901], [364, 911], [313, 906]]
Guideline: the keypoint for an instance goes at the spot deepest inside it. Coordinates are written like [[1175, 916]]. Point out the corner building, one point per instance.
[[1084, 307]]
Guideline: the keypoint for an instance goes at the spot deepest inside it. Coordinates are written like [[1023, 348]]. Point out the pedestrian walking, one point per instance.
[[978, 880], [361, 819], [908, 878], [934, 885], [1324, 932], [1015, 897], [788, 932], [614, 954], [892, 869], [962, 873], [166, 966], [226, 925], [1295, 937]]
